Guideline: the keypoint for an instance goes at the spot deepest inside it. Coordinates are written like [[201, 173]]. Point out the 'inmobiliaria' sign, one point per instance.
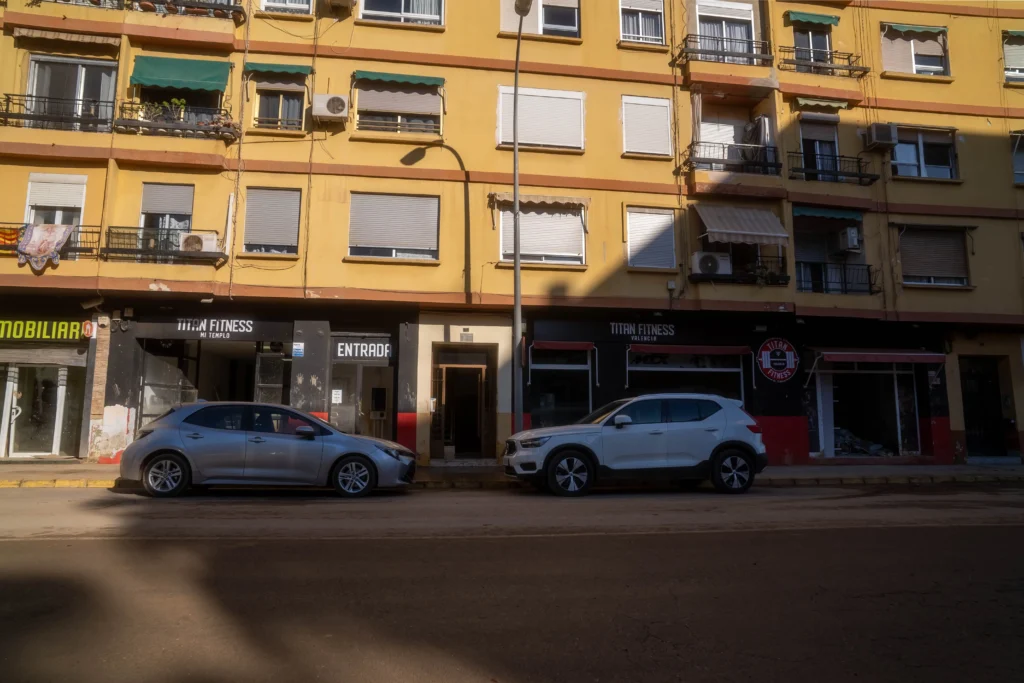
[[45, 330]]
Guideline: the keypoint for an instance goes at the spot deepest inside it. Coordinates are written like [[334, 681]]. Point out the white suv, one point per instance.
[[686, 437]]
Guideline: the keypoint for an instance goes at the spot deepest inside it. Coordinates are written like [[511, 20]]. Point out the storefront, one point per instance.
[[362, 383]]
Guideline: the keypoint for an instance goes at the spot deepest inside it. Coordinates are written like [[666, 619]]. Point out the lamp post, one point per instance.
[[523, 8]]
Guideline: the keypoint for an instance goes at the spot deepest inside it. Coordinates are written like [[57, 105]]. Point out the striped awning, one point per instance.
[[507, 198], [742, 226], [20, 32]]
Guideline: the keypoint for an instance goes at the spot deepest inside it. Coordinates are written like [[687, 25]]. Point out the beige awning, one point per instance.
[[20, 32], [507, 198], [742, 226], [827, 104]]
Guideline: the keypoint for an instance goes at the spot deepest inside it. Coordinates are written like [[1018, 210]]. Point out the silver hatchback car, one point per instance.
[[207, 444]]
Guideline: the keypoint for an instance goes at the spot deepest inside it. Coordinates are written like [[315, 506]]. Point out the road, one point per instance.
[[799, 584]]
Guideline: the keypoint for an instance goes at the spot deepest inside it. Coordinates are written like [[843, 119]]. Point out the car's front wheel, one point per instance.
[[166, 475], [732, 471], [570, 473], [354, 477]]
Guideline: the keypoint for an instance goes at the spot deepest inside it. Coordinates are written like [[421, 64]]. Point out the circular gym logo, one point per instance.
[[778, 360]]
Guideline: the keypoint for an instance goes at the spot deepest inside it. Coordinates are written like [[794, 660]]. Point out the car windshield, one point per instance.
[[603, 412]]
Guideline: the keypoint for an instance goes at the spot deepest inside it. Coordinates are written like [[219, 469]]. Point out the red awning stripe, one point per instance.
[[881, 356], [691, 350], [563, 346]]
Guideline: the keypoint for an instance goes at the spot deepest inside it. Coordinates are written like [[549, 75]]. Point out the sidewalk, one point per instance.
[[71, 474]]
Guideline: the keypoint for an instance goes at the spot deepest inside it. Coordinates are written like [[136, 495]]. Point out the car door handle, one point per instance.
[[711, 429], [658, 431], [257, 439], [194, 436]]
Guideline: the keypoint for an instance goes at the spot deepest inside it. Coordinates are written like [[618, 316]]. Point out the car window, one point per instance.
[[269, 420], [644, 412], [684, 410], [708, 408], [217, 417]]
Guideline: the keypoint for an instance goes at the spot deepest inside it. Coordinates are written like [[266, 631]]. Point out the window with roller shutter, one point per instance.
[[55, 198], [272, 220], [167, 207], [399, 108], [934, 256], [1017, 140], [1013, 56], [642, 21], [925, 153], [394, 226], [647, 125], [547, 17], [548, 234], [919, 50], [650, 238], [547, 118]]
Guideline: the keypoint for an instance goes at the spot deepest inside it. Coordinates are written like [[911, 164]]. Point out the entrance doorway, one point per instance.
[[986, 414], [463, 401], [42, 410]]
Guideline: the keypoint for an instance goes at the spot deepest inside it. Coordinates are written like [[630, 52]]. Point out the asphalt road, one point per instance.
[[779, 585]]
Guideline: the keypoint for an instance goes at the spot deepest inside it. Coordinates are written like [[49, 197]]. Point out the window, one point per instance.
[[915, 50], [650, 238], [931, 256], [547, 118], [1013, 56], [218, 417], [55, 199], [267, 420], [547, 234], [820, 147], [272, 221], [646, 412], [397, 108], [166, 217], [394, 226], [279, 109], [71, 94], [404, 11], [288, 6], [812, 45], [559, 383], [1018, 158], [647, 125], [643, 21], [925, 154], [560, 18], [726, 27]]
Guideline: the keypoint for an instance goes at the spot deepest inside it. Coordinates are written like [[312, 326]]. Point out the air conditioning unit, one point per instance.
[[330, 107], [200, 243], [711, 263], [342, 4], [881, 136], [849, 239]]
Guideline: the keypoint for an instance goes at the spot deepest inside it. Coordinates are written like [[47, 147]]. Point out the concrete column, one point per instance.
[[95, 381], [113, 408], [311, 371]]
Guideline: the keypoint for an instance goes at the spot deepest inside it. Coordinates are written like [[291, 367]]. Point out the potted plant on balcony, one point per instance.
[[220, 13], [146, 6], [171, 8], [95, 2]]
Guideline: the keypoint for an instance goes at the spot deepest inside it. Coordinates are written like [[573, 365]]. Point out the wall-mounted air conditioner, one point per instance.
[[849, 239], [330, 107], [711, 263], [206, 243], [881, 136]]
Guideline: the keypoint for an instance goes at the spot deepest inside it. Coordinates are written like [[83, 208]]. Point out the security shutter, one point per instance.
[[557, 231], [649, 5], [716, 131], [157, 198], [896, 52], [546, 117], [272, 217], [51, 189], [399, 100], [394, 221], [725, 9], [647, 125], [933, 253], [818, 131], [651, 238], [274, 81], [1013, 52], [811, 246]]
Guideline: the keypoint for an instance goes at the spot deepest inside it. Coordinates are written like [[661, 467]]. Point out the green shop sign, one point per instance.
[[45, 330]]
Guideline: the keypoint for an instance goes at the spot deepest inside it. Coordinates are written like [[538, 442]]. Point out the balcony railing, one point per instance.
[[84, 242], [162, 245], [720, 156], [830, 168], [764, 270], [54, 113], [827, 62], [221, 9], [402, 126], [728, 50], [105, 4], [836, 278], [150, 118], [275, 123]]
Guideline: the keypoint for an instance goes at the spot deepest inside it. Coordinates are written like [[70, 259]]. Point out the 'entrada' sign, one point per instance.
[[45, 330], [361, 349]]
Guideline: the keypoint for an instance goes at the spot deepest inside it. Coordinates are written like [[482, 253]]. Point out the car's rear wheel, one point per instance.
[[732, 471], [570, 473], [354, 477], [166, 475]]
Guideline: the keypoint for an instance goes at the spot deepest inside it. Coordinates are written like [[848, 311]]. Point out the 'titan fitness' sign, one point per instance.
[[45, 330], [644, 332]]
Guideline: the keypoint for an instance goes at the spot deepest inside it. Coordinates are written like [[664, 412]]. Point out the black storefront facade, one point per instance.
[[827, 390]]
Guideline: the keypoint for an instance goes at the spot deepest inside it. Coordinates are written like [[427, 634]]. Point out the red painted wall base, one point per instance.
[[786, 438], [407, 430]]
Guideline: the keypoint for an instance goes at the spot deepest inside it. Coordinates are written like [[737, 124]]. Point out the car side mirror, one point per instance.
[[305, 432], [622, 420]]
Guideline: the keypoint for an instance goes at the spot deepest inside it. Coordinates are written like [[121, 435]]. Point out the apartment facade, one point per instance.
[[812, 207]]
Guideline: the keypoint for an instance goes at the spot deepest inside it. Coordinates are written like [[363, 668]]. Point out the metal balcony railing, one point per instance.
[[720, 156], [830, 168], [162, 245], [763, 270], [54, 113], [827, 62], [153, 118], [728, 50], [221, 9], [84, 242], [835, 278], [275, 123], [104, 4], [403, 126]]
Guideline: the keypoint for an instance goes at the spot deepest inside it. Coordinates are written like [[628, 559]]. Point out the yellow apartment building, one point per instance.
[[813, 207]]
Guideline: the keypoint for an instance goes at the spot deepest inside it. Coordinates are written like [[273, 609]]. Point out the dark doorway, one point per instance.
[[984, 419], [463, 414], [463, 401], [865, 414]]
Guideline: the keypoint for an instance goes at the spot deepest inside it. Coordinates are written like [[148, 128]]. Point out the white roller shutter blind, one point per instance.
[[394, 221], [897, 54], [649, 5], [647, 125], [651, 236], [734, 10], [52, 189], [574, 4], [1013, 52], [510, 20], [544, 232], [551, 118], [823, 132], [933, 253], [934, 46], [398, 100], [272, 217], [159, 198]]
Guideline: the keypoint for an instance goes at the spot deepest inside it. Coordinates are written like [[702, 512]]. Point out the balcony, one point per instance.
[[277, 123], [727, 50], [165, 119], [826, 62], [162, 245], [720, 156], [84, 242], [836, 278], [830, 168], [761, 271], [221, 9], [54, 113], [104, 4], [392, 124]]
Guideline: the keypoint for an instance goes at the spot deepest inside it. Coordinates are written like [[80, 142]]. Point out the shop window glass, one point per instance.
[[560, 357], [559, 397], [217, 417], [644, 412]]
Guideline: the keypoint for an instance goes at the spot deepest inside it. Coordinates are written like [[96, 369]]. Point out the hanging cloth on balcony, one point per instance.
[[42, 243], [808, 18], [187, 74], [742, 226]]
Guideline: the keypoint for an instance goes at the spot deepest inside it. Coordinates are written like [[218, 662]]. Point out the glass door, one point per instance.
[[36, 408]]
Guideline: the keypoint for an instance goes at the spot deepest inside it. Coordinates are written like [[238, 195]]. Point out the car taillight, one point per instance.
[[754, 428]]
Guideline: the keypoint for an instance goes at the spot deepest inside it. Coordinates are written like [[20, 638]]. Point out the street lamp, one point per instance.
[[523, 8]]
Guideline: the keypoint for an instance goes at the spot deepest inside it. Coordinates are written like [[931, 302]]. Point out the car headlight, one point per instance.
[[535, 443], [393, 452]]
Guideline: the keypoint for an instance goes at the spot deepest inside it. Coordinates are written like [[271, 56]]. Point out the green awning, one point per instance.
[[910, 28], [812, 102], [188, 74], [397, 78], [278, 68], [1015, 34], [818, 212], [808, 18]]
